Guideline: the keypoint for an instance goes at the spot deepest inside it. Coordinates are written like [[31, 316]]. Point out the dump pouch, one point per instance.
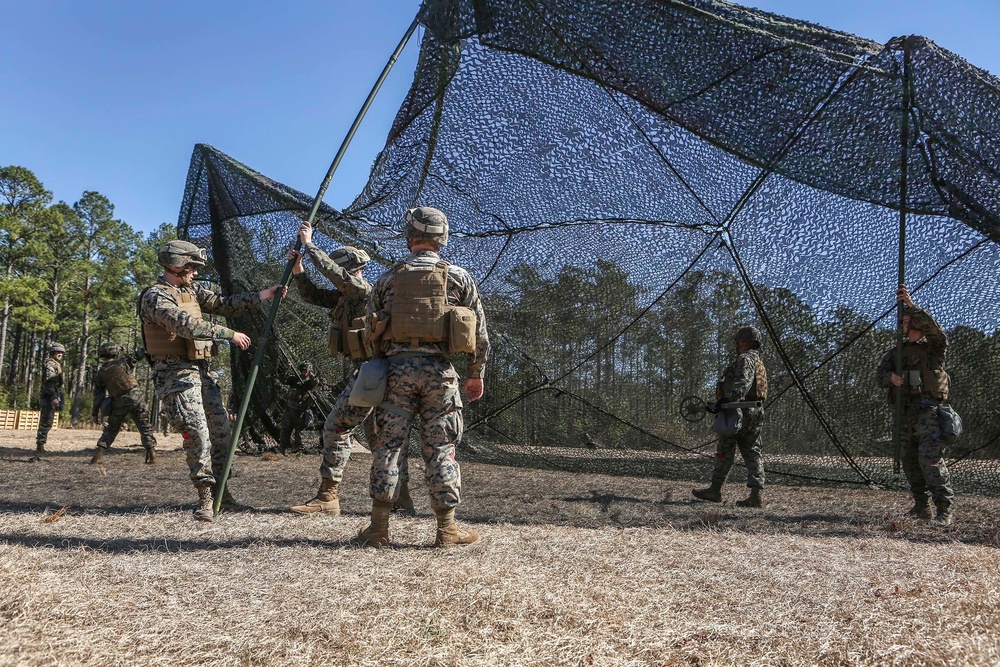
[[949, 422], [728, 422], [461, 330], [106, 404], [369, 387]]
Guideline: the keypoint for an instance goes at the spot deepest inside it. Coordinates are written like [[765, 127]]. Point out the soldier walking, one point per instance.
[[745, 379], [116, 379], [421, 312], [924, 384], [50, 400], [346, 302], [179, 345], [298, 407]]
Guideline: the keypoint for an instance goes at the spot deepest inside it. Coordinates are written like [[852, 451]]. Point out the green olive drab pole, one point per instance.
[[286, 276], [897, 432]]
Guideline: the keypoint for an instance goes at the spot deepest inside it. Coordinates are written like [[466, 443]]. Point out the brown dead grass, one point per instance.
[[572, 570]]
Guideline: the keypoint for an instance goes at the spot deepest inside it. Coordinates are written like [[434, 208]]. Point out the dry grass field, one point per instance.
[[104, 566]]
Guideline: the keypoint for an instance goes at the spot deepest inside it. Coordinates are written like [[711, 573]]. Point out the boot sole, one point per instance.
[[312, 509]]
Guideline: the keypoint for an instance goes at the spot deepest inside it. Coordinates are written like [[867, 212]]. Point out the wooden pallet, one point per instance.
[[8, 420]]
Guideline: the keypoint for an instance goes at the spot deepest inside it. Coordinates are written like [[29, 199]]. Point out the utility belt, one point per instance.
[[930, 384]]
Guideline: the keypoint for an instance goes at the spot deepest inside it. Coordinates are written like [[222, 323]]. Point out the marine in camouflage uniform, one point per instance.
[[743, 380], [418, 294], [178, 344], [115, 379], [50, 400], [298, 405], [925, 385], [346, 302]]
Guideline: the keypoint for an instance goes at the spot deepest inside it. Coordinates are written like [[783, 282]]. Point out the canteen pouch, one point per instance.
[[949, 422], [369, 387], [461, 330], [728, 422]]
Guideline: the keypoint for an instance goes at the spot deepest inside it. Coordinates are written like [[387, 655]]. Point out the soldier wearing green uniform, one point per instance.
[[51, 398], [179, 345], [116, 380], [743, 380], [421, 313], [346, 302], [298, 407], [925, 385]]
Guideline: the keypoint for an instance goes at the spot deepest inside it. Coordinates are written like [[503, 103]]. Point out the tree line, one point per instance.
[[68, 273]]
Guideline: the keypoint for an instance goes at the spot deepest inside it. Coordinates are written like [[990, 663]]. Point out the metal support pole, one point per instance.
[[897, 433], [286, 276]]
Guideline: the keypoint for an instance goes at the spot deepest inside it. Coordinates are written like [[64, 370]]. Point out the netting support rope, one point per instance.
[[286, 276], [904, 157]]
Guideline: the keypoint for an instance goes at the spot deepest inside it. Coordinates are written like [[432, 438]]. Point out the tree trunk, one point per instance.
[[81, 372], [32, 357], [5, 318], [15, 349]]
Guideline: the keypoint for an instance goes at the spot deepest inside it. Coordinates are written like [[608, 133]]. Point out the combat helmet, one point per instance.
[[109, 350], [350, 258], [751, 335], [178, 253], [306, 367], [425, 222], [56, 347]]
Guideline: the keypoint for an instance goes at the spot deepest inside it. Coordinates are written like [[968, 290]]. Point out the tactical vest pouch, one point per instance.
[[936, 384], [355, 340], [949, 422], [461, 330], [334, 341], [369, 387], [728, 422], [374, 329], [199, 348]]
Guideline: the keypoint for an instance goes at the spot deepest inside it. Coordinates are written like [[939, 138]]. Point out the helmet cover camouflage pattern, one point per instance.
[[750, 335], [350, 258], [306, 367], [428, 223], [179, 253], [109, 349], [56, 347]]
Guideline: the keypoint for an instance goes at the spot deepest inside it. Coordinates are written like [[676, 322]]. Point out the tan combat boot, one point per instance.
[[921, 507], [150, 456], [753, 500], [449, 533], [712, 494], [404, 503], [98, 455], [377, 532], [204, 511], [943, 518], [326, 500]]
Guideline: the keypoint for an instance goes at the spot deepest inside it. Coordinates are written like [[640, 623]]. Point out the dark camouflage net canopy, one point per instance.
[[630, 182]]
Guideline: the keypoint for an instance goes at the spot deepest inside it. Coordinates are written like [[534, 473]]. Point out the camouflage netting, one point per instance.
[[631, 181]]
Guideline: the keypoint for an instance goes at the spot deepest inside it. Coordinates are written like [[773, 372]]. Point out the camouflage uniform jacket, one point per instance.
[[462, 291], [346, 301], [158, 306], [298, 391], [100, 388], [52, 378], [933, 347], [739, 379]]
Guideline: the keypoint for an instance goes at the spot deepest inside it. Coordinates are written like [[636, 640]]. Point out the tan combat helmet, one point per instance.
[[750, 335], [109, 350], [56, 347], [180, 253], [350, 258], [429, 223]]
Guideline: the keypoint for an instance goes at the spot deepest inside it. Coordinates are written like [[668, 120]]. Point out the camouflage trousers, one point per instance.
[[192, 401], [123, 407], [749, 443], [923, 451], [293, 421], [425, 386], [47, 406], [338, 436]]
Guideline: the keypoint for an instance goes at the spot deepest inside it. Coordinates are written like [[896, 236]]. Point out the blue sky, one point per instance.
[[112, 95]]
